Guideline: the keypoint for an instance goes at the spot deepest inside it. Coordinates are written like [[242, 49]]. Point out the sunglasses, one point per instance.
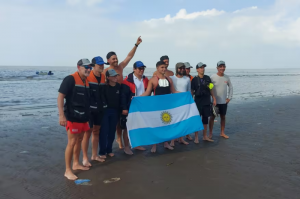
[[87, 67], [181, 68], [141, 68]]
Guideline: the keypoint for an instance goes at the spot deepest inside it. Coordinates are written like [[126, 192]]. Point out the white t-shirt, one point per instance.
[[139, 86], [182, 84]]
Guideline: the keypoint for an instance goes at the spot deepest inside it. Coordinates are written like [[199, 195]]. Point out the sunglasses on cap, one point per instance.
[[87, 67]]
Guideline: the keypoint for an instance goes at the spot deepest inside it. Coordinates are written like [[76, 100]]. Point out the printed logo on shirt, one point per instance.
[[117, 92], [74, 130]]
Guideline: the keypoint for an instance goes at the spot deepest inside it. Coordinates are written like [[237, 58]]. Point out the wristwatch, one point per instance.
[[136, 45]]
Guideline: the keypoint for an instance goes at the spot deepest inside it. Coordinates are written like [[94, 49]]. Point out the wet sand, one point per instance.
[[260, 160]]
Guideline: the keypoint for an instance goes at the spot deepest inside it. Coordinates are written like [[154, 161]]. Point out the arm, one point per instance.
[[189, 87], [60, 105], [130, 55], [125, 92], [214, 99], [149, 89], [230, 91], [172, 86]]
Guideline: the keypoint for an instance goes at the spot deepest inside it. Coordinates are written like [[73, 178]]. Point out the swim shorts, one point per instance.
[[77, 127], [95, 119], [204, 110], [222, 108]]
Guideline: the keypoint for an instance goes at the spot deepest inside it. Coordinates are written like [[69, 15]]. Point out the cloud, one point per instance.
[[84, 2], [182, 14]]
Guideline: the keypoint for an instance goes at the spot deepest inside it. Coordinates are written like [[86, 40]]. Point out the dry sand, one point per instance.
[[260, 160]]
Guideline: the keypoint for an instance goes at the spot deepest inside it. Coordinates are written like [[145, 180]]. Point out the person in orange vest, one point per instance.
[[74, 114], [188, 70], [98, 104], [135, 84]]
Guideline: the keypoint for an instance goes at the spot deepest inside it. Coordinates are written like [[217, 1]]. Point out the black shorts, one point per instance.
[[95, 119], [222, 109], [204, 110]]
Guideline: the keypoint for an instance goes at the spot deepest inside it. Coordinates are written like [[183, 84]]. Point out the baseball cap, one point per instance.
[[98, 60], [221, 63], [179, 65], [200, 64], [187, 65], [138, 64], [111, 73], [164, 57], [84, 62]]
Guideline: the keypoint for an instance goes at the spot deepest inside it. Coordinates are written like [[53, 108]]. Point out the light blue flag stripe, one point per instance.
[[160, 102], [149, 136]]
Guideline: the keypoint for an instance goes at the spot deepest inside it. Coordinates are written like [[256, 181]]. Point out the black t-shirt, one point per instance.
[[66, 88], [112, 96], [98, 79], [205, 99]]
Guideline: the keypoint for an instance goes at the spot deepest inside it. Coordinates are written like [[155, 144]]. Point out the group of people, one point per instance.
[[94, 102]]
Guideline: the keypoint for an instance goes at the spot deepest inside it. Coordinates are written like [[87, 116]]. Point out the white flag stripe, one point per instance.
[[153, 119]]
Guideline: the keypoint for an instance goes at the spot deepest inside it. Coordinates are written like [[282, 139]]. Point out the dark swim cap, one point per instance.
[[110, 54], [164, 57]]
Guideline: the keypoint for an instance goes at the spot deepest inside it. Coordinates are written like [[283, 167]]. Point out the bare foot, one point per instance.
[[182, 141], [97, 158], [210, 136], [172, 143], [70, 175], [153, 149], [167, 146], [119, 141], [102, 156], [207, 139], [128, 151], [80, 167], [111, 154], [140, 148], [189, 137], [196, 141], [86, 163], [224, 136]]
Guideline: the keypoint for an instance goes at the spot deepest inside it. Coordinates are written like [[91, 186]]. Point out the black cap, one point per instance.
[[164, 57]]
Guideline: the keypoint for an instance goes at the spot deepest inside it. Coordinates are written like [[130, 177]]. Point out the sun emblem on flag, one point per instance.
[[166, 117]]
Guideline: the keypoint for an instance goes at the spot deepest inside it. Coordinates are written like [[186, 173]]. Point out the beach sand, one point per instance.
[[260, 160]]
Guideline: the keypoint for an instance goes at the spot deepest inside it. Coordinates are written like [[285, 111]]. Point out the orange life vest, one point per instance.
[[97, 100]]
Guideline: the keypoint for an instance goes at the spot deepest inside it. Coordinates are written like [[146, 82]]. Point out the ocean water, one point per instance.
[[22, 89]]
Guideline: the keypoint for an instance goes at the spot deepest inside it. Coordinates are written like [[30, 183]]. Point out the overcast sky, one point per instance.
[[245, 34]]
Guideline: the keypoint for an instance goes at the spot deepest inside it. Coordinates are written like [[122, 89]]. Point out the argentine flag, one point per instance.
[[160, 118]]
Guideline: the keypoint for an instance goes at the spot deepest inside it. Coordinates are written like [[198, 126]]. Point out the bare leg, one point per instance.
[[126, 143], [196, 138], [76, 153], [167, 146], [153, 149], [95, 142], [172, 143], [181, 140], [72, 138], [205, 138], [189, 137], [85, 146], [211, 126], [223, 127], [119, 136]]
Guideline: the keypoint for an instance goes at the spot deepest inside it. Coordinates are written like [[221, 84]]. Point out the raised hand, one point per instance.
[[139, 40]]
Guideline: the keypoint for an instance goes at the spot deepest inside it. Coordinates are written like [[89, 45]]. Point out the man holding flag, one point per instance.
[[152, 121]]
